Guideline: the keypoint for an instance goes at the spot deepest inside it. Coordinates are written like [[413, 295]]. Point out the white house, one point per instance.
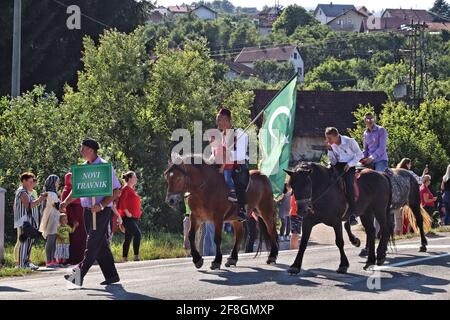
[[352, 20], [280, 54], [324, 13], [205, 13]]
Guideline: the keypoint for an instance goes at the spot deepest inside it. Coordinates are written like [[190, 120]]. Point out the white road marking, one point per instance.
[[403, 263], [226, 298]]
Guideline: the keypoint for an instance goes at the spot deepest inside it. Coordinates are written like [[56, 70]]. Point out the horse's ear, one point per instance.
[[288, 172]]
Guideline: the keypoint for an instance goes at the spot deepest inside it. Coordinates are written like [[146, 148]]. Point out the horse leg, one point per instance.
[[415, 207], [367, 221], [273, 237], [217, 240], [353, 239], [307, 226], [196, 257], [238, 235], [343, 266], [385, 232]]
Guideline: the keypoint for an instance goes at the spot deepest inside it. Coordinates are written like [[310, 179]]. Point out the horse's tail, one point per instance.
[[411, 218], [263, 237], [389, 217]]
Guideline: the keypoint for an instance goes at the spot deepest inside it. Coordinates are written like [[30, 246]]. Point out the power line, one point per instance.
[[84, 15]]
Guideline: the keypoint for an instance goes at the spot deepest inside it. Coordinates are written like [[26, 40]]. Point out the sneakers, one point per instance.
[[75, 277], [232, 196], [282, 238], [137, 258], [31, 266]]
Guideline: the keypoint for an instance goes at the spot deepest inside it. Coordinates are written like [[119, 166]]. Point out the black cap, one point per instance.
[[90, 143]]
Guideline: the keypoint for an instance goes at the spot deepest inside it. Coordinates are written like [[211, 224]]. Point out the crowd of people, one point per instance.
[[65, 223]]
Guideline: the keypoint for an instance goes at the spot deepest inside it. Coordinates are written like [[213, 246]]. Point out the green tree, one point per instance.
[[273, 71], [50, 51], [442, 9], [337, 73], [292, 17], [389, 76]]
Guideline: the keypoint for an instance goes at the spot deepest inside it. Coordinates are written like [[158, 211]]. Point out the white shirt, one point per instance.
[[348, 152], [240, 152]]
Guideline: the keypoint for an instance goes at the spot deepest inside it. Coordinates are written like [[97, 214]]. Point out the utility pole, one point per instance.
[[417, 62], [15, 73]]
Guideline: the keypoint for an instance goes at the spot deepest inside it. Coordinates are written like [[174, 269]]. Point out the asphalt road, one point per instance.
[[407, 274]]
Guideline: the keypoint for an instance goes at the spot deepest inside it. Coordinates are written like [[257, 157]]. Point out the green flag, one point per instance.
[[276, 135]]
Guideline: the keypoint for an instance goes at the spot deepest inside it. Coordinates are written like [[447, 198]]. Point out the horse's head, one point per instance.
[[301, 184], [177, 179]]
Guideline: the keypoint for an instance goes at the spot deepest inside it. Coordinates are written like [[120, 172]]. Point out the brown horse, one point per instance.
[[208, 201], [321, 199]]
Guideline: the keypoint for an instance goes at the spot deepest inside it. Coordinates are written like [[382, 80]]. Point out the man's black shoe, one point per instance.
[[110, 281]]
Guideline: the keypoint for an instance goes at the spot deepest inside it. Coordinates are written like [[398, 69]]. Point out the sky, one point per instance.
[[371, 5]]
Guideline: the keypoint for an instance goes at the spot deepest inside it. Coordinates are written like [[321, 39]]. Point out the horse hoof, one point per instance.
[[364, 252], [423, 249], [199, 263], [293, 270], [357, 243], [230, 262], [215, 265], [271, 260], [342, 270], [369, 266]]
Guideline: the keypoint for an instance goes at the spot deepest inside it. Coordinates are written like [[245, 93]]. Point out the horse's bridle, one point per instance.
[[310, 203], [187, 181]]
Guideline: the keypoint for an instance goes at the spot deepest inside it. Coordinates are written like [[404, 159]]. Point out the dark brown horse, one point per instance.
[[321, 199], [208, 201]]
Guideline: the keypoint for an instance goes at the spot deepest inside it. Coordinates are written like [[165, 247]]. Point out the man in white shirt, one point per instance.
[[344, 153], [234, 162]]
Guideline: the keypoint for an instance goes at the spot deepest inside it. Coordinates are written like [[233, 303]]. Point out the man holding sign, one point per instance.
[[97, 213]]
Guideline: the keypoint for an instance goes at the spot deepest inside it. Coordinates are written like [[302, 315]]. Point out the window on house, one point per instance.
[[349, 21], [299, 70], [295, 55]]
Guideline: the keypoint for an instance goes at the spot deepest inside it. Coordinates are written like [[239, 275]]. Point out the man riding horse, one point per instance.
[[344, 153], [231, 155]]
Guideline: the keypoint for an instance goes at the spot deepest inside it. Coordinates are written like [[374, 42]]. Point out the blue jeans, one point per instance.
[[209, 246], [381, 165], [227, 174]]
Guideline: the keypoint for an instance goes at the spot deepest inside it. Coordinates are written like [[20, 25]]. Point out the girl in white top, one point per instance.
[[50, 219]]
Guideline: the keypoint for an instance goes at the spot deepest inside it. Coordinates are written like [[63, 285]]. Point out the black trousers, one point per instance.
[[349, 179], [250, 226], [241, 177], [132, 232], [97, 246]]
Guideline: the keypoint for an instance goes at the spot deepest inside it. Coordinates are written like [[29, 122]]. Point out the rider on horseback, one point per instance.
[[234, 164], [344, 153]]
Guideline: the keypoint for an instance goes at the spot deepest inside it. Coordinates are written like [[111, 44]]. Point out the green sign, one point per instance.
[[93, 180]]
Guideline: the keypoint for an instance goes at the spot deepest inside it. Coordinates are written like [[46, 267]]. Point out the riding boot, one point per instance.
[[349, 178]]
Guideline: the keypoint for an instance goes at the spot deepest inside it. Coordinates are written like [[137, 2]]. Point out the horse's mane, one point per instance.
[[312, 166]]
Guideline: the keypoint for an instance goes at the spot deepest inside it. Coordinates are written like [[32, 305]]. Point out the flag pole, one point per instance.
[[274, 97]]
